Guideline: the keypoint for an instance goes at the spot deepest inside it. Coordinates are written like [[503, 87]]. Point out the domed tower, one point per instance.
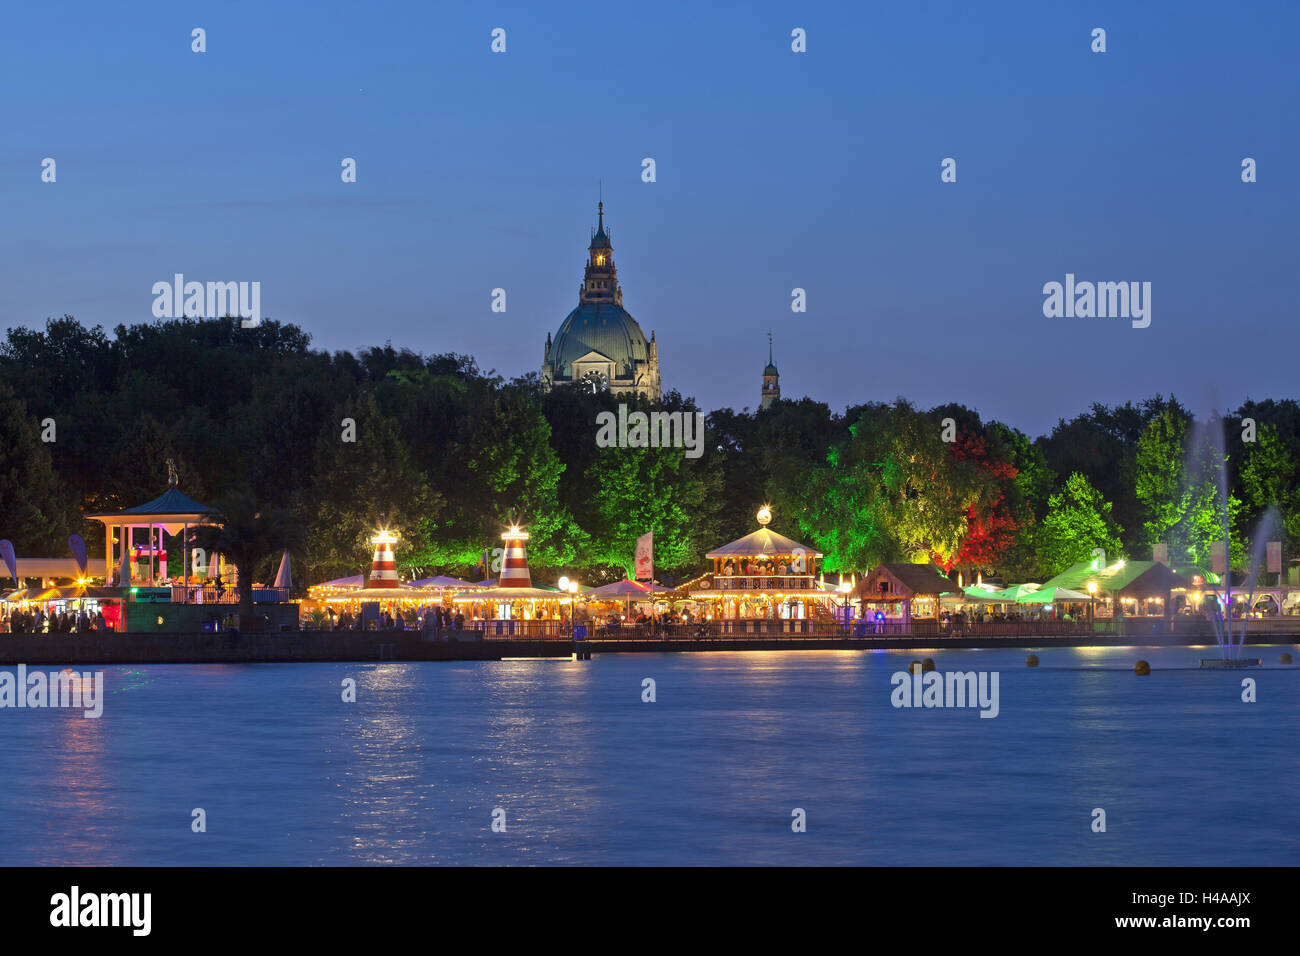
[[771, 380], [599, 345]]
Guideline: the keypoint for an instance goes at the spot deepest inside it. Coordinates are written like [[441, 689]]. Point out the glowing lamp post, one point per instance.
[[1092, 604]]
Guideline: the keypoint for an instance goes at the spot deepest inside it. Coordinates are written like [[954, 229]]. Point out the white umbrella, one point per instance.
[[283, 577]]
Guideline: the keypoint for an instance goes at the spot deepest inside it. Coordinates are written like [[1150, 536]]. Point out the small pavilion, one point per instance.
[[174, 513], [904, 592]]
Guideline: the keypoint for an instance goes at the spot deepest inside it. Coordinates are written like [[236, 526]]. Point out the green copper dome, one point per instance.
[[600, 327]]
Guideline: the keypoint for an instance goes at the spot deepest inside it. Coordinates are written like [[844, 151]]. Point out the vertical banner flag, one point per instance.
[[77, 544], [1275, 557], [1218, 557], [10, 559], [645, 557]]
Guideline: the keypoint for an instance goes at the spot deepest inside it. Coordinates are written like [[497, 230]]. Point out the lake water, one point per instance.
[[709, 773]]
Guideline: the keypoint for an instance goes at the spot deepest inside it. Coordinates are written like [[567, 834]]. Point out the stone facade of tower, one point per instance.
[[771, 381], [599, 346]]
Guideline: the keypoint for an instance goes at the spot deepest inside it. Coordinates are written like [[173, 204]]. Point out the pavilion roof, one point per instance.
[[172, 503], [908, 580], [762, 543]]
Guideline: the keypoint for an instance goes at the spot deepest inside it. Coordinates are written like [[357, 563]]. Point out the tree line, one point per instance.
[[448, 454]]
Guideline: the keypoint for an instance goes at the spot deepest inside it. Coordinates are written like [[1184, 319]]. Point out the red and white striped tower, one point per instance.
[[383, 567], [514, 565]]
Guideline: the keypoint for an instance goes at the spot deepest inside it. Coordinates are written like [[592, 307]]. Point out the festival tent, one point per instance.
[[356, 581], [1015, 592], [626, 592], [1053, 595], [509, 594], [626, 589], [441, 582]]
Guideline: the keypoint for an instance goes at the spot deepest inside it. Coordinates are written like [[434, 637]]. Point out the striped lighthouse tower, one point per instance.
[[383, 567], [514, 565]]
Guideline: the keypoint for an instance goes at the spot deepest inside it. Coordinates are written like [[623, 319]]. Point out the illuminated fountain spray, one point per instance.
[[1207, 452]]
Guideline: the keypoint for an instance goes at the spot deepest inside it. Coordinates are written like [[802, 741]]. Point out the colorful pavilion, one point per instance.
[[764, 575]]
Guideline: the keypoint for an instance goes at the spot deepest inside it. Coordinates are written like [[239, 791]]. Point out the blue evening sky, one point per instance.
[[775, 170]]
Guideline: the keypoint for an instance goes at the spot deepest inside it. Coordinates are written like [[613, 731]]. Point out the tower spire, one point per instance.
[[771, 379]]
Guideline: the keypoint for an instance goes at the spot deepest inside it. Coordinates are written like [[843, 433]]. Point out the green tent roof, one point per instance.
[[1137, 576]]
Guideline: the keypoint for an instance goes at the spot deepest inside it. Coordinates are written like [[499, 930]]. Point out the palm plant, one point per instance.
[[247, 534]]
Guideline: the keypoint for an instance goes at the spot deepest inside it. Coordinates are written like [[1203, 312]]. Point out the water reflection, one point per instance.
[[587, 772]]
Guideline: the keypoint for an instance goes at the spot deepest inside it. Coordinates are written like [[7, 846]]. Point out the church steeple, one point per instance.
[[600, 280], [771, 380]]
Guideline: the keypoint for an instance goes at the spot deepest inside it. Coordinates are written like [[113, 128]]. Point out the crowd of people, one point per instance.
[[417, 619], [37, 621], [762, 567]]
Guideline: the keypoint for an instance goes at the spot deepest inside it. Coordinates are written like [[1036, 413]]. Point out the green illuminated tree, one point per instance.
[[34, 506], [1078, 519]]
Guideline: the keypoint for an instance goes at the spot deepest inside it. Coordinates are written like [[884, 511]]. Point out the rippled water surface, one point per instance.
[[707, 774]]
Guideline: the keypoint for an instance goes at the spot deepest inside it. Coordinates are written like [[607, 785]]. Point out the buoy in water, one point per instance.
[[927, 664], [1285, 658], [1141, 667], [1031, 660]]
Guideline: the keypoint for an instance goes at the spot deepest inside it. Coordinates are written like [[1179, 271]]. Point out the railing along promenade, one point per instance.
[[209, 594], [741, 630], [1136, 629]]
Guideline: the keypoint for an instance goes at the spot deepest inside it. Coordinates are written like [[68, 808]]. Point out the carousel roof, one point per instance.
[[762, 543]]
